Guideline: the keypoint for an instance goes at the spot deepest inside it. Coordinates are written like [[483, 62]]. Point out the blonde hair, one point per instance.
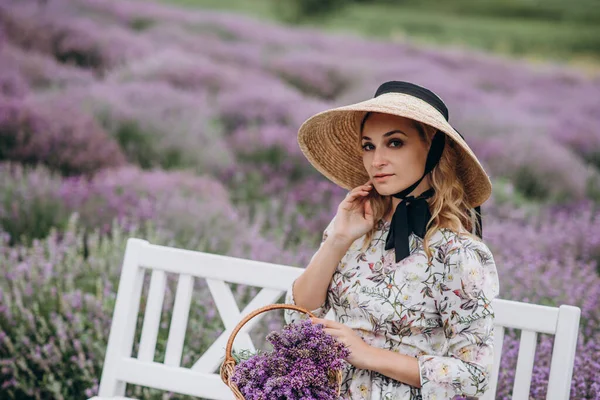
[[449, 205]]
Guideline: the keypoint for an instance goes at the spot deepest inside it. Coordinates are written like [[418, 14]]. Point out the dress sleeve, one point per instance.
[[463, 294], [291, 316]]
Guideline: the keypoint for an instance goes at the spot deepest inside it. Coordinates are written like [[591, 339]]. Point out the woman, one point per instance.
[[401, 263]]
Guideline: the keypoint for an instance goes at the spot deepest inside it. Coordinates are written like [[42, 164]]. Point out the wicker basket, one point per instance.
[[228, 366]]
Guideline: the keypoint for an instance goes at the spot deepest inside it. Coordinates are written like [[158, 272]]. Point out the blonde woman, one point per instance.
[[402, 263]]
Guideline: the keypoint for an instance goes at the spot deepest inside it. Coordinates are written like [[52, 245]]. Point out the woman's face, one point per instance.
[[392, 146]]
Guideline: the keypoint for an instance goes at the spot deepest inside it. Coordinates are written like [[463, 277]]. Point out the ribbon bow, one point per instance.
[[410, 216]]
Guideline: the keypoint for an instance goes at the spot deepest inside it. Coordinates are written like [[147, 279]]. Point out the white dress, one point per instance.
[[439, 313]]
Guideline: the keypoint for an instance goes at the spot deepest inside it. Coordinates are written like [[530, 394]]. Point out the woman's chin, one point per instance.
[[388, 189], [385, 190]]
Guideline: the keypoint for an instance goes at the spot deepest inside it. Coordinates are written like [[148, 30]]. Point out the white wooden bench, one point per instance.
[[203, 380]]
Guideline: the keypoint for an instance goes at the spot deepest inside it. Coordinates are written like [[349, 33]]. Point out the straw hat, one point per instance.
[[329, 139]]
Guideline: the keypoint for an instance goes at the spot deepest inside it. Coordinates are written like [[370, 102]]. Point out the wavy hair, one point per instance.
[[449, 205]]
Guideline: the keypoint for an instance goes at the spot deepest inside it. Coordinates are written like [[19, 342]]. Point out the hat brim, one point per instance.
[[329, 140]]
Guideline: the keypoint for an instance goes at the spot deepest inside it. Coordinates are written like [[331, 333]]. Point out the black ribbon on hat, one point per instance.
[[412, 214]]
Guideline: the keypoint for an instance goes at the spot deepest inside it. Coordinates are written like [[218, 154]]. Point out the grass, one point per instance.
[[549, 31], [257, 8]]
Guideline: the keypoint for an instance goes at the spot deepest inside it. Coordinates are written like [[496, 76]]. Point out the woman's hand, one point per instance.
[[360, 352], [354, 216]]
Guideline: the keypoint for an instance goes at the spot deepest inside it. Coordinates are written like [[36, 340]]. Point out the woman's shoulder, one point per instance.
[[449, 243]]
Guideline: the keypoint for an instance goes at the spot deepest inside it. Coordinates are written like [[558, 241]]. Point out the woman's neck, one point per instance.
[[422, 187]]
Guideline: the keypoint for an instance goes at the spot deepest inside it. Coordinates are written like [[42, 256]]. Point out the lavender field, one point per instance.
[[129, 118]]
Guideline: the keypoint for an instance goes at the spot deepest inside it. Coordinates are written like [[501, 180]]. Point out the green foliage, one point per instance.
[[243, 355], [141, 148], [593, 191], [30, 207], [295, 11], [136, 144], [550, 29], [34, 221], [141, 24], [528, 183], [580, 11], [514, 36]]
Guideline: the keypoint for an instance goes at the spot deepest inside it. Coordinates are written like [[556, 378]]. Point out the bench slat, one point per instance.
[[214, 266], [493, 379], [525, 360], [213, 356], [565, 343], [151, 325], [173, 379], [524, 316], [179, 321]]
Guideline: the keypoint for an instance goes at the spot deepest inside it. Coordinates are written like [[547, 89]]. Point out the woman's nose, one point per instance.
[[378, 160]]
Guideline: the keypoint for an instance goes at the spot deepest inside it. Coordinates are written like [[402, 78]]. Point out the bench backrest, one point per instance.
[[203, 380], [533, 319]]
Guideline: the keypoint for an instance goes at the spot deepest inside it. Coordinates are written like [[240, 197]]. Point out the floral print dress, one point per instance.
[[438, 312]]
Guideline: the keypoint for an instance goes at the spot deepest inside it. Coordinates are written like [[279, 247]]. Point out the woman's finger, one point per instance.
[[329, 323], [361, 188], [352, 196], [333, 332]]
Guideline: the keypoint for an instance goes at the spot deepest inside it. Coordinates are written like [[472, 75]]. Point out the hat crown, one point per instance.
[[415, 90]]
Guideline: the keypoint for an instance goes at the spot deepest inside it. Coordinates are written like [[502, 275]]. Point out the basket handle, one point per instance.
[[228, 357]]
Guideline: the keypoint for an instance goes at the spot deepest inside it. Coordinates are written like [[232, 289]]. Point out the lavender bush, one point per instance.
[[38, 71], [52, 134], [30, 203], [57, 301], [191, 210], [181, 70], [12, 83], [155, 124], [55, 28], [314, 74]]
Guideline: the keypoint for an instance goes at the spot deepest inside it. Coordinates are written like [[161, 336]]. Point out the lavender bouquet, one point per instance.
[[302, 365]]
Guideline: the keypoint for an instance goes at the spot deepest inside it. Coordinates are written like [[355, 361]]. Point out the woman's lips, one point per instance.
[[382, 178]]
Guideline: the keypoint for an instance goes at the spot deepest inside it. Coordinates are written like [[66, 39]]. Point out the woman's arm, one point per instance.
[[465, 370], [394, 365], [460, 371], [309, 290], [353, 219]]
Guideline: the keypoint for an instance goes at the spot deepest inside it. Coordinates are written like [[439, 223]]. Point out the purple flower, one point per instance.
[[301, 365]]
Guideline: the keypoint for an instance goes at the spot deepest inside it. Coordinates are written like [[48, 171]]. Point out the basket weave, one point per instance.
[[228, 366]]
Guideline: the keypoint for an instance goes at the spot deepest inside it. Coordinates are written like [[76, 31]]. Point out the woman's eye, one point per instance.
[[392, 143]]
